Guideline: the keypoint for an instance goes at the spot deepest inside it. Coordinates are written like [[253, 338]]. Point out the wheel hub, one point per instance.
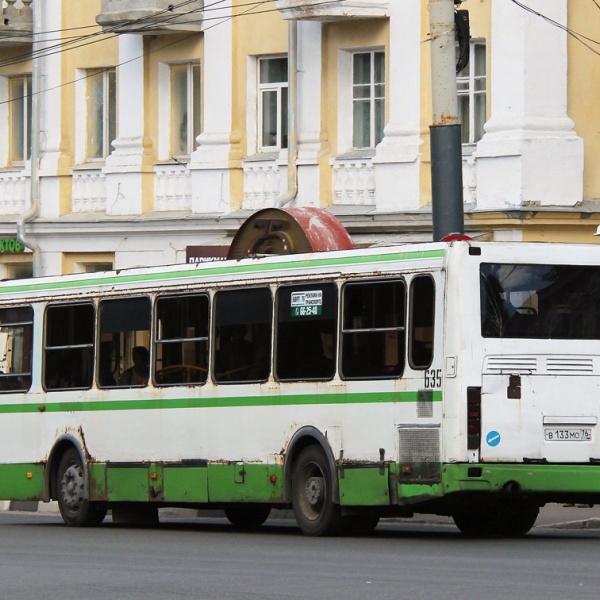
[[314, 490], [72, 487]]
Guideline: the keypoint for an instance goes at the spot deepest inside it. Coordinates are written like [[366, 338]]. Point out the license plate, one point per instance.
[[568, 434]]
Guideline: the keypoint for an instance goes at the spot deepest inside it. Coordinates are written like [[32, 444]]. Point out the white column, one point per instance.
[[211, 162], [310, 148], [124, 168], [397, 161], [530, 152], [50, 110]]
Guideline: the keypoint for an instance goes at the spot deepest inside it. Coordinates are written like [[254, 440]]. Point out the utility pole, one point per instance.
[[445, 131]]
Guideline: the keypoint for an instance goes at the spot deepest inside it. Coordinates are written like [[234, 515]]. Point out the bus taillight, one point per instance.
[[473, 417]]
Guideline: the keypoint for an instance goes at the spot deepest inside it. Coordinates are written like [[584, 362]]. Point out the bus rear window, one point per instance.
[[540, 301]]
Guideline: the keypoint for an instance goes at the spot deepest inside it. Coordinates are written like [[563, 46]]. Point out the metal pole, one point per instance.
[[446, 150]]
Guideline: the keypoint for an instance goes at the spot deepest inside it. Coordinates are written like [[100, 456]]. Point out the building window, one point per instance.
[[101, 112], [272, 103], [368, 98], [471, 85], [185, 108], [19, 91]]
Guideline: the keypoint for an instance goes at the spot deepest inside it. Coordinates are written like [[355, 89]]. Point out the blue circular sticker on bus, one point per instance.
[[493, 438]]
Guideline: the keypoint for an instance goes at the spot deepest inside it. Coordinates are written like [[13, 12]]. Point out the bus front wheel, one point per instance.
[[76, 510], [312, 495]]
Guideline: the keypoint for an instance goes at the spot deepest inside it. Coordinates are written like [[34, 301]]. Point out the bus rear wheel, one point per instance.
[[76, 510], [247, 516], [312, 495], [497, 520]]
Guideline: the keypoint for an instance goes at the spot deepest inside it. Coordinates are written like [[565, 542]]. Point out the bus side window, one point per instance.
[[16, 344], [181, 340], [373, 329], [124, 326], [422, 311], [306, 332], [242, 334], [69, 346]]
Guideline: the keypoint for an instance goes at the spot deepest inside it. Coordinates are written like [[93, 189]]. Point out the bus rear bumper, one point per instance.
[[551, 482]]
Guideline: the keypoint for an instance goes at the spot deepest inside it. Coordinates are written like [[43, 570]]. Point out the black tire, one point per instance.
[[134, 514], [312, 495], [360, 525], [247, 517], [75, 508], [521, 521], [497, 520]]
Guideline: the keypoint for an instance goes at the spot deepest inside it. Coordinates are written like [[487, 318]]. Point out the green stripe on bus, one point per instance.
[[228, 402], [220, 270]]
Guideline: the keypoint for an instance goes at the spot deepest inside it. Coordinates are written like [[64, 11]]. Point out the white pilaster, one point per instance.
[[530, 152], [396, 159], [124, 168], [50, 109], [310, 148], [210, 163]]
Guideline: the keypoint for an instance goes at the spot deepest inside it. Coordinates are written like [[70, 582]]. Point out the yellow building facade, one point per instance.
[[163, 125]]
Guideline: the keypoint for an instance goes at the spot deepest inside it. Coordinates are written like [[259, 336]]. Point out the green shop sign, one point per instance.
[[11, 245]]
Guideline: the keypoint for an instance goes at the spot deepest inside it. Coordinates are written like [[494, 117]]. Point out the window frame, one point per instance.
[[216, 352], [471, 97], [262, 88], [374, 134], [24, 98], [67, 349], [109, 120], [128, 340], [301, 287], [347, 331], [26, 356], [412, 335], [193, 106], [159, 342]]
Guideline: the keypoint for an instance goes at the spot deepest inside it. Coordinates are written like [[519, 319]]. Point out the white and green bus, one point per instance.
[[457, 378]]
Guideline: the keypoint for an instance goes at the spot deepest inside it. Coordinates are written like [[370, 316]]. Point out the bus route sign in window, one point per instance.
[[307, 304], [540, 301]]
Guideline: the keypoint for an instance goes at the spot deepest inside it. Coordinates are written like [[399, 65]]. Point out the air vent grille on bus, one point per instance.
[[419, 453], [541, 365], [566, 365], [510, 364]]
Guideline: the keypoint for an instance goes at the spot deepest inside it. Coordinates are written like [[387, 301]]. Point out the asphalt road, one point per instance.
[[206, 559]]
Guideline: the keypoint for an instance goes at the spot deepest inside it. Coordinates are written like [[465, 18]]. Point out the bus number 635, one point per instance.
[[433, 378]]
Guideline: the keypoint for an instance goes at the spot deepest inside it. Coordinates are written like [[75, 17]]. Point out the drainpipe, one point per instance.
[[292, 168], [446, 149], [35, 144]]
